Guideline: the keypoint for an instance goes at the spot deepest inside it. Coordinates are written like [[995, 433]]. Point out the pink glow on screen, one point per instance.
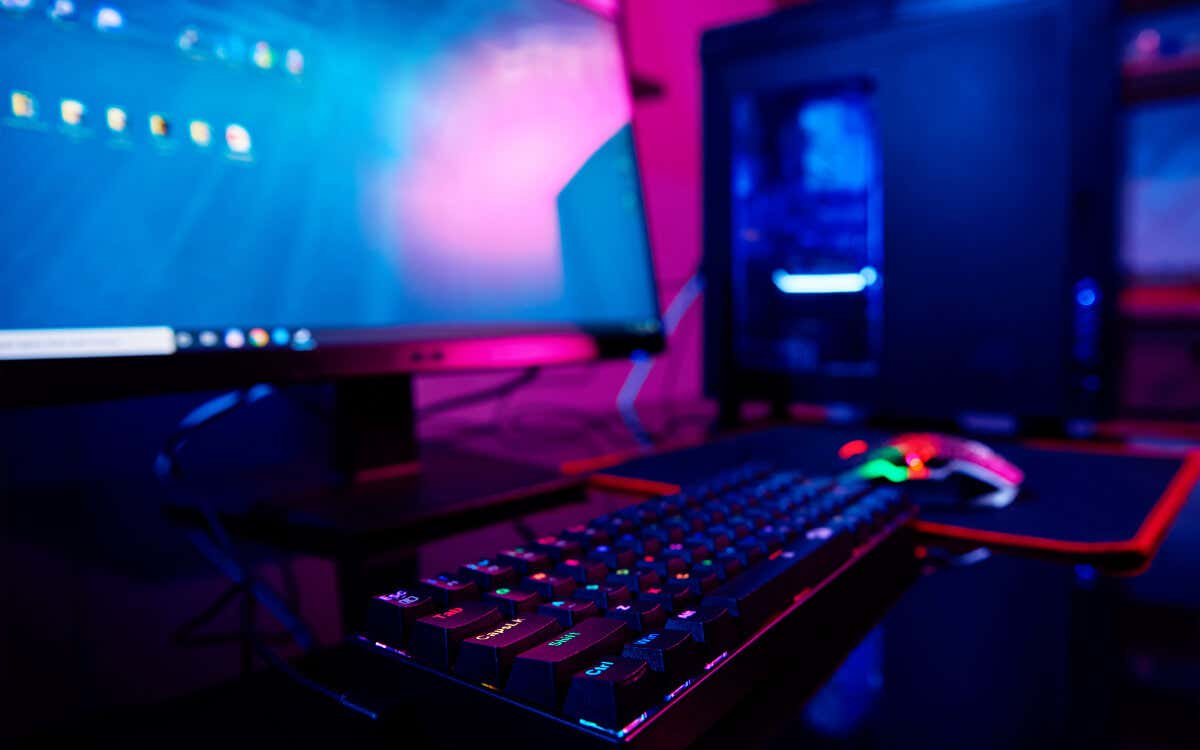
[[606, 7], [499, 132]]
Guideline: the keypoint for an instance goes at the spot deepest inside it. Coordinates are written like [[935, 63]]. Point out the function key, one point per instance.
[[435, 638], [487, 574], [487, 656], [611, 691], [541, 675], [448, 590], [671, 653], [583, 571], [524, 560], [569, 611], [390, 617], [512, 602]]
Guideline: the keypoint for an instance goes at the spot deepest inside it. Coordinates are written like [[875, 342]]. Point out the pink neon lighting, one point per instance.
[[500, 130]]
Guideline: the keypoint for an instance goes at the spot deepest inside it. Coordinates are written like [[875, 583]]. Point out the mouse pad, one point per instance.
[[1081, 502]]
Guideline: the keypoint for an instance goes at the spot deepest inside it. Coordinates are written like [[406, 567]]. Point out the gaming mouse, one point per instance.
[[932, 456]]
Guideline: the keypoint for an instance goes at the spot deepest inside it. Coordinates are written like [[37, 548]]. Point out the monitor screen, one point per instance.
[[217, 175]]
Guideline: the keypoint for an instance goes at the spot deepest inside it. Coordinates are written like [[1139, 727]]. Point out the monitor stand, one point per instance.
[[374, 429], [376, 454]]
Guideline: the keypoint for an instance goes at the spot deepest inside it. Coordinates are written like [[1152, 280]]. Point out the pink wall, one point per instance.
[[664, 45]]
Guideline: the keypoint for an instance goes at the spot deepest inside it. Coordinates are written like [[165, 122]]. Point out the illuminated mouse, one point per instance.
[[931, 456]]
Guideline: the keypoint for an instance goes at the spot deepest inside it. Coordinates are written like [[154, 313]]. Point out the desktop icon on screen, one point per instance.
[[259, 338], [294, 62], [209, 339], [72, 111], [17, 4], [116, 119], [23, 105], [280, 337], [234, 338], [188, 39], [238, 139], [159, 126], [62, 10], [200, 132], [263, 56], [109, 19]]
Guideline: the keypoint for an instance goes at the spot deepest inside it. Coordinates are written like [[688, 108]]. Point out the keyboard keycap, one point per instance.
[[512, 602], [541, 675], [664, 566], [671, 653], [587, 536], [524, 560], [605, 595], [611, 691], [550, 586], [435, 638], [488, 575], [559, 549], [613, 556], [390, 617], [768, 587], [448, 590], [712, 627], [673, 596], [583, 571], [634, 580], [487, 656], [699, 582], [568, 612], [640, 615]]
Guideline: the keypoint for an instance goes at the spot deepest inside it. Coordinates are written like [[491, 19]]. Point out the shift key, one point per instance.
[[541, 675]]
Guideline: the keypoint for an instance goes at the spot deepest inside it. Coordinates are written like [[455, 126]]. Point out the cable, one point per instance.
[[500, 390], [217, 545], [644, 363]]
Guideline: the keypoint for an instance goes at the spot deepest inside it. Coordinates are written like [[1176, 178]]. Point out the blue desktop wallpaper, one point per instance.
[[334, 165]]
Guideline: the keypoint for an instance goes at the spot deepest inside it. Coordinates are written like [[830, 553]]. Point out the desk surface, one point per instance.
[[997, 654]]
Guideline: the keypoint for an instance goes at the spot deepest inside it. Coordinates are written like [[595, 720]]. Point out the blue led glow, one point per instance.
[[824, 283], [1085, 297]]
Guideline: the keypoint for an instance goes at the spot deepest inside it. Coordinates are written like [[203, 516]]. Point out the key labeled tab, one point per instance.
[[435, 638]]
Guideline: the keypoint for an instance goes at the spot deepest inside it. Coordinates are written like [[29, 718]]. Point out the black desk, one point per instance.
[[1001, 653]]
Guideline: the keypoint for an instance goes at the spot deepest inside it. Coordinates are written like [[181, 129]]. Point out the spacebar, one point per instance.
[[771, 585]]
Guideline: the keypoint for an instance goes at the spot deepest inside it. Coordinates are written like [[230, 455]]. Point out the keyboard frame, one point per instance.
[[836, 613]]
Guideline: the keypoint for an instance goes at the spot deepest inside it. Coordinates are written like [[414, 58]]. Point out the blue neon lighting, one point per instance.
[[824, 283]]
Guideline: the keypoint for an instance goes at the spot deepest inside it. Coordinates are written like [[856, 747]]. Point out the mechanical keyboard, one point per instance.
[[649, 622]]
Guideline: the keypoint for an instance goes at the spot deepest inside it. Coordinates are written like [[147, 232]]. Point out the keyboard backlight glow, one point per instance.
[[713, 663]]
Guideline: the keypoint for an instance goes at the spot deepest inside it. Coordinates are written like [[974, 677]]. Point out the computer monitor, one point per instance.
[[911, 210], [223, 192]]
